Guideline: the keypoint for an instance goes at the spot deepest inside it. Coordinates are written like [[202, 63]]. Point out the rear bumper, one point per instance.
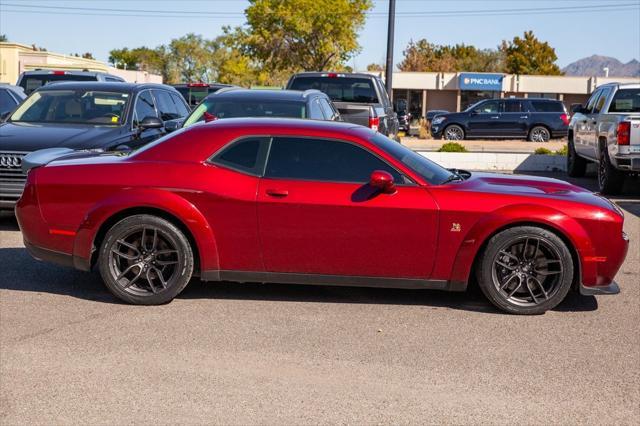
[[612, 288], [629, 162], [59, 258]]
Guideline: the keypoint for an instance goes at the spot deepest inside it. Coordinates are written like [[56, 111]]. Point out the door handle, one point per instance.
[[524, 116], [277, 192], [495, 117]]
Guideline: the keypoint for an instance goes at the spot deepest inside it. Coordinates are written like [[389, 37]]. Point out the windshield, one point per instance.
[[73, 107], [430, 171], [626, 100], [339, 89], [231, 108]]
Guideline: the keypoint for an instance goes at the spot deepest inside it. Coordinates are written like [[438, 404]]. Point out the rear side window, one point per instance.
[[339, 89], [246, 155], [327, 111], [182, 108], [545, 106], [145, 106], [323, 160], [166, 106], [626, 100], [512, 106]]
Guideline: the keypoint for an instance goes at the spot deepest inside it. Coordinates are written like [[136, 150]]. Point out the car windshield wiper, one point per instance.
[[454, 177]]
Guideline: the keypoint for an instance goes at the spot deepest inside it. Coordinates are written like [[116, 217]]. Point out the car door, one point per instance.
[[145, 106], [581, 129], [591, 148], [513, 119], [484, 119], [318, 215]]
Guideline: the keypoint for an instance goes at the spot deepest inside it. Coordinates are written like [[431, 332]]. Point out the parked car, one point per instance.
[[538, 120], [10, 98], [313, 202], [194, 93], [361, 98], [83, 116], [236, 102], [31, 80], [607, 131]]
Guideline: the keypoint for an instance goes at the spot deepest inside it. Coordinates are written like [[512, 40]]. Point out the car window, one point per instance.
[[340, 89], [167, 108], [246, 155], [315, 113], [229, 107], [181, 106], [601, 100], [327, 111], [145, 106], [592, 101], [323, 160], [490, 107], [626, 100], [546, 106], [7, 103], [512, 106]]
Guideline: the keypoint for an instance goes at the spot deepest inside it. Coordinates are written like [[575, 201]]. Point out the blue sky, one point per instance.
[[608, 31]]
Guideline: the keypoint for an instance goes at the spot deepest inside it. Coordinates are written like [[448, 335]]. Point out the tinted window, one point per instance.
[[323, 160], [144, 106], [512, 106], [339, 89], [490, 107], [182, 108], [31, 83], [327, 111], [7, 103], [542, 106], [626, 100], [166, 106], [601, 100], [315, 112], [245, 155]]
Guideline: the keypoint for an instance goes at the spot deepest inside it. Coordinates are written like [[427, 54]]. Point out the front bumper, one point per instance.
[[436, 131], [612, 288]]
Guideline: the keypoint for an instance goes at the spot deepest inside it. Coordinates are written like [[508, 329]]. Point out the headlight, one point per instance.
[[438, 120]]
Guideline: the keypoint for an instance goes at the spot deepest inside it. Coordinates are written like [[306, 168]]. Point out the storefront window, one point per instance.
[[470, 97]]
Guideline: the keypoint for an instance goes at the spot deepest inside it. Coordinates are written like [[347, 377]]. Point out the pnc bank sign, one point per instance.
[[470, 81]]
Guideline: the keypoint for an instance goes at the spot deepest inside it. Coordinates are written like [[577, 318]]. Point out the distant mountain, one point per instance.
[[594, 65]]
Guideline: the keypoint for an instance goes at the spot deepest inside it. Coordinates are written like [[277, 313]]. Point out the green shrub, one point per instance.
[[452, 147], [543, 151], [563, 151]]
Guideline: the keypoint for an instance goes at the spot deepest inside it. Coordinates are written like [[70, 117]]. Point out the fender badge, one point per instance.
[[455, 227]]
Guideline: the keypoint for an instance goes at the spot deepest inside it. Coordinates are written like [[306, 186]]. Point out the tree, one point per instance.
[[142, 59], [292, 35], [528, 55], [86, 55], [3, 38], [425, 56], [375, 67]]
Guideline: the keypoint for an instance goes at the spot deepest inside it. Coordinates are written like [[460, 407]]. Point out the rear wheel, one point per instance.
[[576, 165], [145, 260], [610, 180], [453, 133], [539, 134], [525, 270]]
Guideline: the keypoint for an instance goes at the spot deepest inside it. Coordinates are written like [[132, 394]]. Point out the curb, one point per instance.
[[504, 162]]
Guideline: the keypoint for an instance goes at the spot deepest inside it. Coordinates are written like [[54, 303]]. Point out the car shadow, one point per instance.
[[8, 221], [23, 273]]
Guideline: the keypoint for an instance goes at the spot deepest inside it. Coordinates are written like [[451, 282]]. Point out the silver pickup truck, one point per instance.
[[607, 131]]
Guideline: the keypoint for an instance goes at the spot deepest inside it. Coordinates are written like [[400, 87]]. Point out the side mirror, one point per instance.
[[151, 123], [383, 181]]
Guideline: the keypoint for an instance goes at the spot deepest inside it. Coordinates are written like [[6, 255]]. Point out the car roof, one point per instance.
[[196, 85], [67, 72], [115, 86], [249, 94], [338, 73]]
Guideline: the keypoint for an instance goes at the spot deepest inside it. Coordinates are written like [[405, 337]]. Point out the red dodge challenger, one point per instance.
[[295, 201]]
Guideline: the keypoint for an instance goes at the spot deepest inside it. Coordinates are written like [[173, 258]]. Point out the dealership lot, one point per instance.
[[232, 353]]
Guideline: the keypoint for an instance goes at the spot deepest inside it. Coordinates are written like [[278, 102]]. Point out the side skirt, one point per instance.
[[333, 280]]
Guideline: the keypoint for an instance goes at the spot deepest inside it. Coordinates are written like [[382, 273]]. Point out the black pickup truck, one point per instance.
[[360, 98]]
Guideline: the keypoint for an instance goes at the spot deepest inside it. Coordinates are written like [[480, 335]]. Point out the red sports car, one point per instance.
[[295, 201]]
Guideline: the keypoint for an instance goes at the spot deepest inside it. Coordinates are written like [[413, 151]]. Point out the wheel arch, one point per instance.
[[571, 233], [166, 205]]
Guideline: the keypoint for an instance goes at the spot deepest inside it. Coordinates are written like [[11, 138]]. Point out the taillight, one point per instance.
[[624, 133], [57, 72], [564, 118], [374, 123], [197, 85]]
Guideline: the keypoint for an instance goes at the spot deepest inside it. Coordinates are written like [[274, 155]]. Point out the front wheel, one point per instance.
[[145, 260], [454, 133], [525, 270], [539, 134]]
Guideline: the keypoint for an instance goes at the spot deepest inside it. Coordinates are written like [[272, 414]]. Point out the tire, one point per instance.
[[453, 132], [610, 180], [145, 260], [539, 134], [529, 281], [576, 165]]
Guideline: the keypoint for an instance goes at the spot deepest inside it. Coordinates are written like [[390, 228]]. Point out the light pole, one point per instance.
[[388, 76]]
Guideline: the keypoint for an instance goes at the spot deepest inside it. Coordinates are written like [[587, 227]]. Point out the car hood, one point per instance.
[[33, 136], [531, 186]]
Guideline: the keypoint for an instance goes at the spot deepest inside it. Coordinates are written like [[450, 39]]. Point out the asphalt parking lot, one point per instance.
[[240, 354]]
